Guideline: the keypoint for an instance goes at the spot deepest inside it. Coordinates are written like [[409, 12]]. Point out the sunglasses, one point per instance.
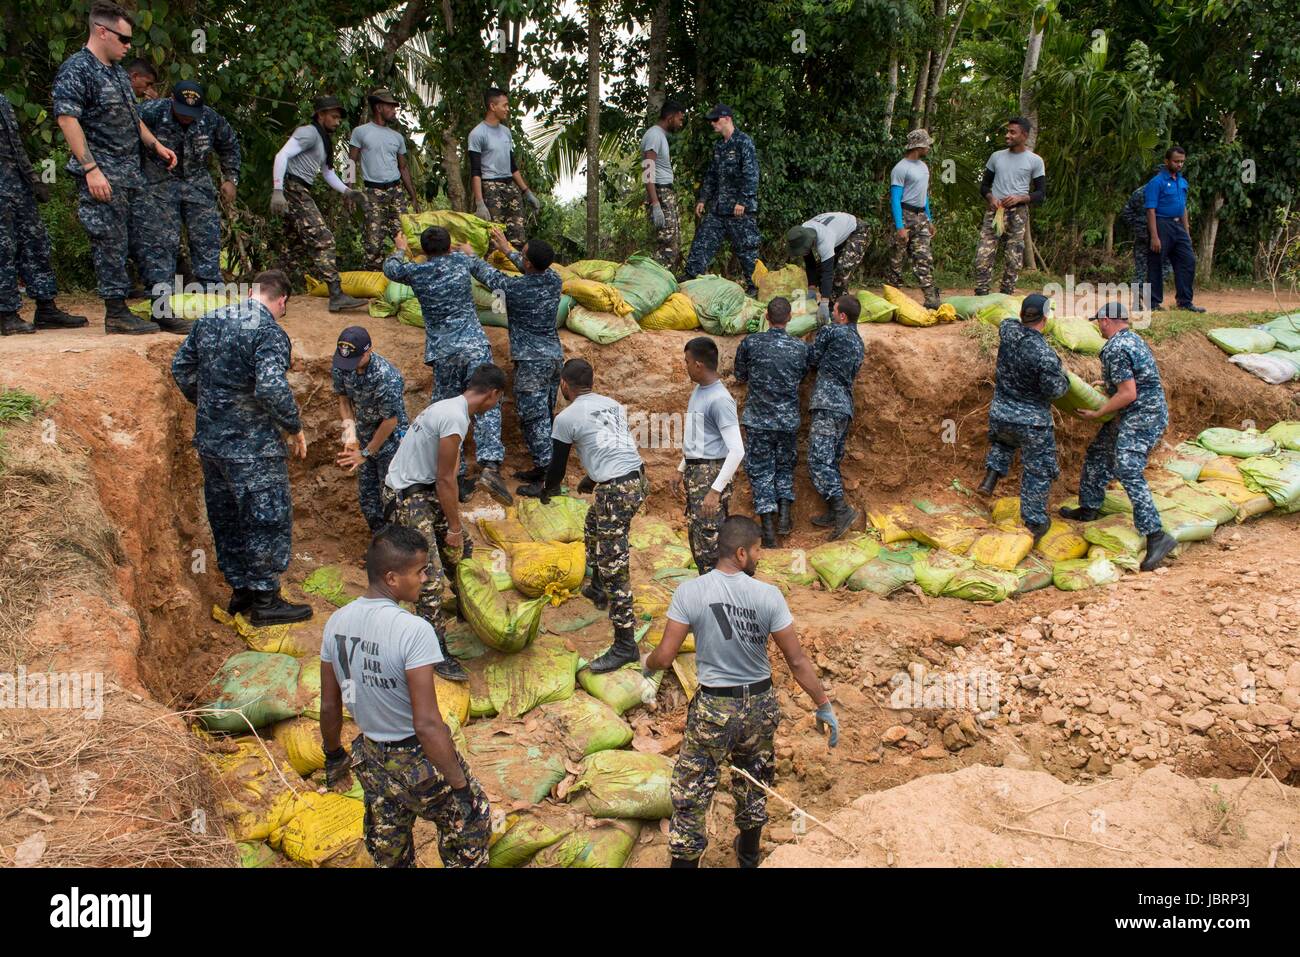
[[126, 38]]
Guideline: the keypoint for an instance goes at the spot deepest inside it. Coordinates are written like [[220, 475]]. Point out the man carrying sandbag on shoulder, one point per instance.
[[1029, 377], [1121, 448], [732, 720], [596, 426], [378, 659], [420, 491]]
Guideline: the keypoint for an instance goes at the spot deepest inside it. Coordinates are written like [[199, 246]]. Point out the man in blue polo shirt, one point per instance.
[[1171, 240]]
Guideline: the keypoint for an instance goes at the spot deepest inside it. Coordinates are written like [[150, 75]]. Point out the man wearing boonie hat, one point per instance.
[[831, 246], [909, 198]]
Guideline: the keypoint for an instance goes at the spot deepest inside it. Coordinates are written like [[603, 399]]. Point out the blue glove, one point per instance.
[[826, 717]]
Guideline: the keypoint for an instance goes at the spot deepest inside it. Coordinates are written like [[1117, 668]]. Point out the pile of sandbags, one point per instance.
[[1270, 351]]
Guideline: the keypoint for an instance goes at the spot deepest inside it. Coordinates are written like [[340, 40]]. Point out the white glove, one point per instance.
[[350, 433], [657, 216], [481, 211], [279, 205], [533, 200], [823, 314]]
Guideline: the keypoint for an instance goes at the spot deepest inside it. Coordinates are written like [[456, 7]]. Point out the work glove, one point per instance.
[[356, 200], [337, 770], [586, 486], [533, 200], [826, 718], [468, 550], [823, 314], [481, 211], [41, 191], [657, 216], [279, 205]]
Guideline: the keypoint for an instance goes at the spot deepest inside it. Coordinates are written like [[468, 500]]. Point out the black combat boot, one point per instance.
[[747, 845], [339, 300], [50, 316], [535, 474], [489, 477], [1159, 545], [270, 608], [682, 862], [784, 520], [843, 516], [1079, 514], [594, 590], [1038, 531], [990, 482], [12, 324], [241, 599], [122, 321], [622, 652], [177, 325], [465, 488], [825, 519], [449, 667], [768, 521]]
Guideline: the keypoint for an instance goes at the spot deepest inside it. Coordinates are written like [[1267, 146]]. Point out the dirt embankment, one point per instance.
[[119, 418]]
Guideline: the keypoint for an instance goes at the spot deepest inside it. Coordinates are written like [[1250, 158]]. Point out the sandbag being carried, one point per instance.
[[834, 562], [360, 285], [717, 301], [626, 784], [1285, 434], [907, 311], [1078, 574], [463, 227], [676, 312], [1237, 341], [560, 520], [499, 623], [1271, 369], [875, 308], [600, 327], [1081, 396], [553, 570], [1277, 477], [264, 687], [596, 296], [542, 672], [789, 281], [803, 318], [644, 284], [1238, 444], [1077, 335]]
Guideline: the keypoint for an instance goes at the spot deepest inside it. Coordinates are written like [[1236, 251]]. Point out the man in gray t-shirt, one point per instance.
[[732, 718], [657, 174], [1014, 178], [378, 660], [909, 200], [597, 426], [495, 178], [381, 152]]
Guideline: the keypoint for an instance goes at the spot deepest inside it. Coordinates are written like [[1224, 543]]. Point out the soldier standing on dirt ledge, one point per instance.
[[733, 717], [232, 367], [836, 354]]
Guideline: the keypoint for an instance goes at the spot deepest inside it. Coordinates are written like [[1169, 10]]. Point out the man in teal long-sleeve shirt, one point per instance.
[[909, 198]]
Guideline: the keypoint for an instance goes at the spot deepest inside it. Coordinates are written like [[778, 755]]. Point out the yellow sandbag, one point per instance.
[[553, 569], [320, 827], [1248, 502], [650, 599], [598, 270], [504, 531], [910, 312], [278, 639], [300, 738], [789, 281], [252, 794], [1006, 511], [684, 669], [760, 270], [499, 260], [888, 522], [453, 700], [946, 313], [360, 284], [677, 312], [1062, 543], [949, 531], [656, 635], [563, 271], [1002, 549], [597, 296], [1222, 468], [562, 519]]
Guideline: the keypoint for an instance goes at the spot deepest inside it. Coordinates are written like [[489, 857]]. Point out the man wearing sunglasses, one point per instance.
[[95, 107]]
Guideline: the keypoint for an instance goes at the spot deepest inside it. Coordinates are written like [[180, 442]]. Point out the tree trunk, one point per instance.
[[1108, 246], [1210, 228], [450, 149], [918, 94], [593, 128], [893, 91], [936, 73], [657, 59], [1033, 50], [402, 30]]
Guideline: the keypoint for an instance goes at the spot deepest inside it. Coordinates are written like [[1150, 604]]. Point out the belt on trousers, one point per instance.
[[705, 461], [738, 691], [913, 209], [636, 473], [405, 493], [499, 179], [412, 742], [389, 185], [299, 180]]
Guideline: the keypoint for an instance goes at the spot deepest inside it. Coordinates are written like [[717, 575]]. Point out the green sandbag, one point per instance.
[[499, 623], [560, 520], [751, 318], [1235, 341], [1288, 340], [789, 281], [397, 293], [1081, 396], [803, 318], [513, 769], [1077, 574], [1186, 526], [255, 854], [263, 686], [1115, 533], [462, 642], [834, 562], [1286, 434], [182, 305], [408, 313], [786, 566], [973, 307], [1032, 574], [935, 570], [1276, 476], [717, 302], [981, 583], [480, 707], [882, 577], [1184, 469], [567, 302], [623, 688], [625, 784], [1238, 444], [602, 328], [608, 845], [382, 308], [648, 531], [463, 227], [1202, 502], [645, 285], [524, 838], [496, 320], [597, 270], [587, 724], [327, 582], [1077, 335], [1122, 560], [874, 308], [542, 672], [1282, 355], [1189, 459]]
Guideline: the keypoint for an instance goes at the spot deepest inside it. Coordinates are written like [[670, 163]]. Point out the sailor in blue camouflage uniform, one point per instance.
[[1121, 448], [24, 243], [454, 343], [186, 194], [94, 106], [1029, 377], [371, 404], [773, 363], [232, 367], [728, 204], [836, 354], [532, 302]]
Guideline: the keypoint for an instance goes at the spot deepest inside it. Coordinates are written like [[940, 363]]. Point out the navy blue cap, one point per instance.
[[718, 112], [1112, 310], [353, 345], [187, 99], [1035, 307]]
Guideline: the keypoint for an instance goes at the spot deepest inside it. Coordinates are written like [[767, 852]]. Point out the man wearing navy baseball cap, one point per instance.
[[373, 410], [1029, 377], [1121, 448], [194, 131]]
